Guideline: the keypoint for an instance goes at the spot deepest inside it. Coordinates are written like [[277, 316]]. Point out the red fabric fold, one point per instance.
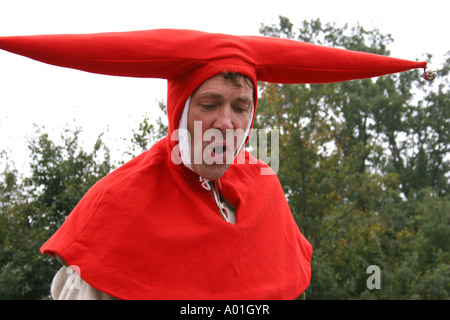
[[150, 231]]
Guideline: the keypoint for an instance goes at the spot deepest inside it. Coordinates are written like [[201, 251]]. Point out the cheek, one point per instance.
[[192, 125], [198, 116], [243, 122]]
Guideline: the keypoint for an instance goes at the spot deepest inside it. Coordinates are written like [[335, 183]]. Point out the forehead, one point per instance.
[[219, 86]]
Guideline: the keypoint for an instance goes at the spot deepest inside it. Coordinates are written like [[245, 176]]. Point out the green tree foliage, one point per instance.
[[32, 208], [365, 169], [147, 133]]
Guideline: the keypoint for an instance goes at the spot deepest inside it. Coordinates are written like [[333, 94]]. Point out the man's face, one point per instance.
[[219, 114]]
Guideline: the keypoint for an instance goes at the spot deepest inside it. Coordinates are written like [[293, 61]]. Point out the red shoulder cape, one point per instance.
[[149, 230]]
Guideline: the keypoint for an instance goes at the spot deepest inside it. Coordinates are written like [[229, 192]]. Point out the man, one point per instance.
[[184, 220], [224, 104]]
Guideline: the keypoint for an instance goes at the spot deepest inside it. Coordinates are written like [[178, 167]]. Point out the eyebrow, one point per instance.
[[214, 95], [245, 99], [209, 94]]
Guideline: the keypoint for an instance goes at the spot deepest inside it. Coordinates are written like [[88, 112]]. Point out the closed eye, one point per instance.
[[208, 106], [240, 109]]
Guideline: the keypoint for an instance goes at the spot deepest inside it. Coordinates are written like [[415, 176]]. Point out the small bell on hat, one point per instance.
[[429, 75]]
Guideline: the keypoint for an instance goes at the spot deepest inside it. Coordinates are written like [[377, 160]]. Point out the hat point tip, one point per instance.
[[429, 75]]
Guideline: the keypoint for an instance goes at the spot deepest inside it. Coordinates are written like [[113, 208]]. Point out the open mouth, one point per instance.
[[218, 154], [218, 150]]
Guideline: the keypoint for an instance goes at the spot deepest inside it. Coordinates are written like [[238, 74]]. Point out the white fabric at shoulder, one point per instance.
[[68, 285]]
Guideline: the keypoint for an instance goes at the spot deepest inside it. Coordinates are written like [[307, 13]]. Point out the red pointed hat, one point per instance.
[[186, 58]]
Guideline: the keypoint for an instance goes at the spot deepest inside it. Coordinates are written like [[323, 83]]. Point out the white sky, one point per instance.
[[33, 92]]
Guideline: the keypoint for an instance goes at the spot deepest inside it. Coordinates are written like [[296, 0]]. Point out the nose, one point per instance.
[[224, 119]]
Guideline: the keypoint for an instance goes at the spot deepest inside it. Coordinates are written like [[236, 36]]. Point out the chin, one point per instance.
[[211, 172]]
